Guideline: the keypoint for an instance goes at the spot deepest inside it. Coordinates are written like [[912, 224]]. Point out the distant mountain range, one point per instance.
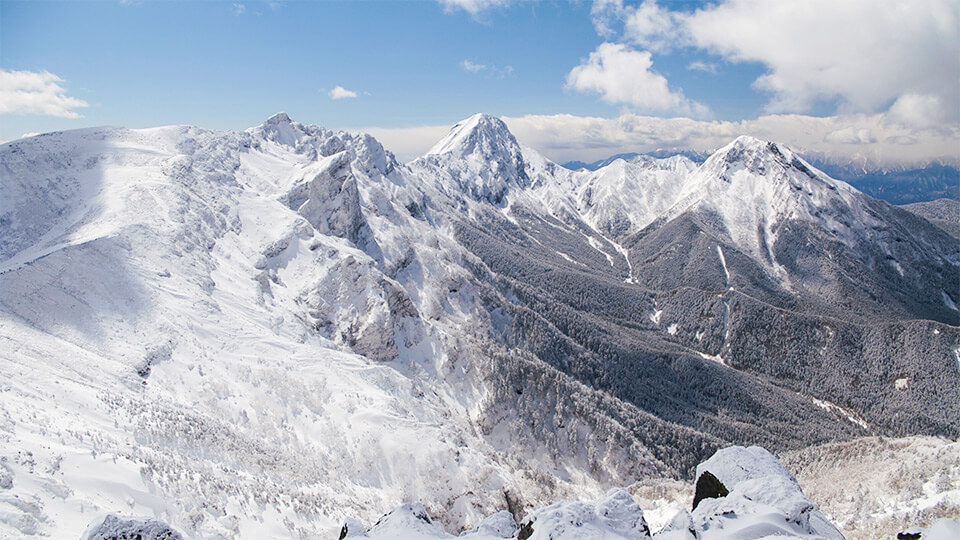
[[896, 186], [272, 332]]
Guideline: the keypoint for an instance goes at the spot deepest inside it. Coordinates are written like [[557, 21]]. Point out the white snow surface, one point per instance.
[[942, 529], [202, 327], [264, 333]]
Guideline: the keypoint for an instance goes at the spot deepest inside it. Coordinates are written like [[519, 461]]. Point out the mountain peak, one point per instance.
[[281, 129], [483, 158], [746, 145], [757, 156], [279, 118], [481, 133]]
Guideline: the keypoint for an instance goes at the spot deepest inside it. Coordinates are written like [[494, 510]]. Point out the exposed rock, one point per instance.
[[352, 529], [708, 487]]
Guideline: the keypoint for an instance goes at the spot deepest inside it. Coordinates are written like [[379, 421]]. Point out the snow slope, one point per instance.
[[184, 314], [887, 484]]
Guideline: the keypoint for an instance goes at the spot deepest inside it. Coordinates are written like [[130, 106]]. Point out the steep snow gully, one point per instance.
[[284, 332]]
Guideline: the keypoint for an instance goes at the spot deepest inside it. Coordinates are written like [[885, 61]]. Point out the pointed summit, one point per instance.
[[279, 118], [281, 129], [482, 158], [759, 157], [480, 134]]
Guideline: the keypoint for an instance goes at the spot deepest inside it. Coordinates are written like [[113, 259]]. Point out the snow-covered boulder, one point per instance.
[[747, 493], [615, 516], [499, 525]]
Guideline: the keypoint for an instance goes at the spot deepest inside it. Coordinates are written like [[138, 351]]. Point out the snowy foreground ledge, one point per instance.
[[740, 493]]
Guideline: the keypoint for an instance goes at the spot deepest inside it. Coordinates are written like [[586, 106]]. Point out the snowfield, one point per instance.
[[279, 333]]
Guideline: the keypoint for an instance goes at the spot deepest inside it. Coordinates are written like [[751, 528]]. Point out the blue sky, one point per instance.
[[606, 74]]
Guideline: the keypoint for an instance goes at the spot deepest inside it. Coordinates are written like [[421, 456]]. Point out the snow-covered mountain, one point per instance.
[[268, 332]]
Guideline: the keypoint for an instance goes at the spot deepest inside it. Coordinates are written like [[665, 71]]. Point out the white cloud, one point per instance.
[[699, 65], [622, 75], [492, 71], [407, 143], [30, 92], [239, 9], [918, 110], [340, 92], [647, 25], [850, 135], [473, 7], [471, 67], [861, 54]]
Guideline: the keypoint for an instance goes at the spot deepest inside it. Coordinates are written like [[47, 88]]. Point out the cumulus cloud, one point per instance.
[[30, 92], [647, 25], [340, 92], [623, 75], [861, 54], [918, 110]]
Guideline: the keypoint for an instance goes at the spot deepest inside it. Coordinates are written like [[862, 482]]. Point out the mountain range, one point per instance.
[[269, 331], [896, 186]]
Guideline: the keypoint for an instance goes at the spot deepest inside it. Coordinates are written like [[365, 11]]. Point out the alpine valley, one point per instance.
[[284, 332]]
